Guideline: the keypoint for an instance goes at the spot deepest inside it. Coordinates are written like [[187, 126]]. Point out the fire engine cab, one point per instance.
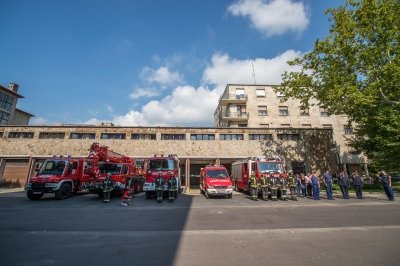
[[241, 170]]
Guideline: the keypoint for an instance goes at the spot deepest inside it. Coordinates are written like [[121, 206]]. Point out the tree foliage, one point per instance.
[[355, 71]]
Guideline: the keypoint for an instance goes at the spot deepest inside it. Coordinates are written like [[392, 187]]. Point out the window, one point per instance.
[[20, 135], [327, 126], [260, 93], [240, 94], [76, 135], [283, 111], [242, 125], [113, 136], [262, 110], [4, 117], [6, 101], [294, 137], [51, 135], [285, 125], [136, 136], [231, 136], [306, 125], [202, 137], [348, 130], [173, 136], [260, 136], [305, 112], [323, 112], [264, 125]]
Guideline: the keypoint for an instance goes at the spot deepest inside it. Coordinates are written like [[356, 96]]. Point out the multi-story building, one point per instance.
[[9, 113], [258, 106]]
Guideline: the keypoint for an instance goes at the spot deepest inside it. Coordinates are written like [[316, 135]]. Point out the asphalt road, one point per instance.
[[82, 230]]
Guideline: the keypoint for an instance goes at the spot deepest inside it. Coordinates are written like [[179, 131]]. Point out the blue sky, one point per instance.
[[148, 62]]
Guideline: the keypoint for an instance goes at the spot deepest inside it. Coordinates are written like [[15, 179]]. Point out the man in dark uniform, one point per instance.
[[315, 185], [344, 184], [292, 180], [159, 188], [273, 186], [387, 184], [282, 187], [107, 188], [264, 187], [253, 186], [357, 183], [171, 188], [327, 178]]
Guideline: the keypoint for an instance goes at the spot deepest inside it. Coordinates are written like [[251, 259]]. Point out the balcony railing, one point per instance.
[[235, 116], [234, 98]]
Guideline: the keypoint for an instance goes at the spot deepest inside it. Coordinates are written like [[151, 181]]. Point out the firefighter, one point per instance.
[[253, 187], [171, 188], [107, 188], [292, 185], [264, 187], [273, 186], [159, 188], [282, 187], [126, 197]]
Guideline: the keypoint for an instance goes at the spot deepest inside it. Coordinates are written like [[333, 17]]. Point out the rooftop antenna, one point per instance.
[[254, 73]]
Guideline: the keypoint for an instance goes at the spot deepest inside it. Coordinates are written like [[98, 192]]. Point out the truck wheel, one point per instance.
[[148, 195], [136, 189], [64, 191], [32, 196]]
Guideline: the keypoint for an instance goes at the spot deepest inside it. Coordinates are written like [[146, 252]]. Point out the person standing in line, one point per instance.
[[344, 185], [315, 186], [327, 178], [303, 185], [308, 184], [387, 184], [298, 185], [357, 183], [107, 188]]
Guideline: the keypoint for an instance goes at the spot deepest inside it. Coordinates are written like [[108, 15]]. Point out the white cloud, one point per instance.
[[162, 76], [191, 106], [38, 121], [144, 92], [224, 70], [273, 17], [109, 108]]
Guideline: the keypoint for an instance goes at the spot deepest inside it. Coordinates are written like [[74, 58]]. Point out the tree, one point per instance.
[[355, 71]]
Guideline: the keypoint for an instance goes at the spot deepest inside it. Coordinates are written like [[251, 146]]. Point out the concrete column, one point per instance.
[[2, 165], [187, 175], [366, 170]]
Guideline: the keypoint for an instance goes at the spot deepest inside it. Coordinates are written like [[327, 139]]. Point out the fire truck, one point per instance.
[[101, 161], [59, 175], [164, 166], [215, 181], [241, 171]]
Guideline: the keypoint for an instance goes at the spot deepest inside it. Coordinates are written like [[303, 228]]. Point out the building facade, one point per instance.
[[9, 113], [258, 106]]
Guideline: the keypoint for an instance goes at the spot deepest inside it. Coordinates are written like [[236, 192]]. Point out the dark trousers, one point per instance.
[[345, 192], [389, 192], [315, 189], [304, 191], [329, 192], [309, 190], [358, 190]]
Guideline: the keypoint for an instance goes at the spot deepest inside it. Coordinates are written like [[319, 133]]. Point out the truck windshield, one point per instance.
[[112, 168], [221, 173], [161, 164], [53, 167], [266, 167]]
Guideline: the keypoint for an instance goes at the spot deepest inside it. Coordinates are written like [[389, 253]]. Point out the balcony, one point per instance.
[[233, 98], [235, 116]]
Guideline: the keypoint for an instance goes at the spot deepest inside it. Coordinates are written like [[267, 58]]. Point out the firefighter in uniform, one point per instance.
[[253, 187], [159, 188], [107, 188], [171, 188], [264, 187], [292, 185], [273, 186], [282, 187]]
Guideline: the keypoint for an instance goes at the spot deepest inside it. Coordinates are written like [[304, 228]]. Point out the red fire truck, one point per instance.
[[215, 181], [164, 166], [58, 175], [241, 170], [102, 160]]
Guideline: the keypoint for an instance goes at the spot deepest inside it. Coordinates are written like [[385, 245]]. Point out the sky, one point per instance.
[[148, 62]]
